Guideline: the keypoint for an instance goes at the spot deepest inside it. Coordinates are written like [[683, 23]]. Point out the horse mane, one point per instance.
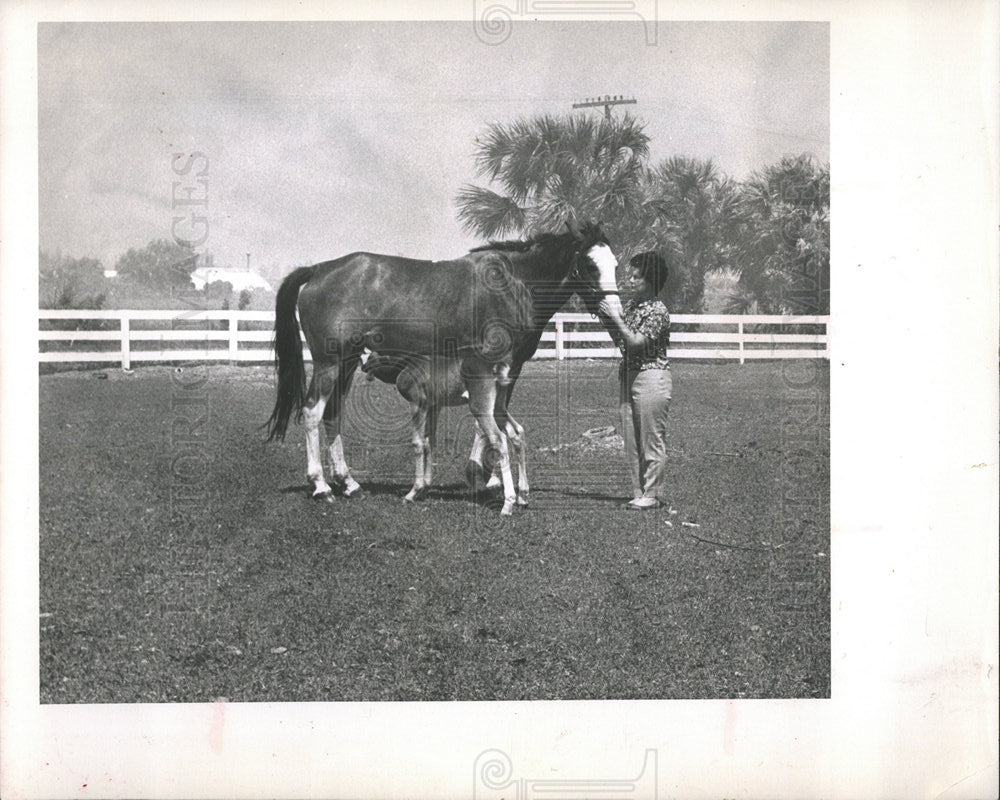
[[510, 245], [547, 268], [592, 234]]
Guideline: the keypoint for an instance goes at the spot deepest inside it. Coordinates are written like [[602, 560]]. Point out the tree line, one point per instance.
[[769, 234], [155, 276]]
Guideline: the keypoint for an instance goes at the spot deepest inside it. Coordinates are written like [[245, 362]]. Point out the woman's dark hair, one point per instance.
[[653, 268]]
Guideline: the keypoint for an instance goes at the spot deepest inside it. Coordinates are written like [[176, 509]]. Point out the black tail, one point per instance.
[[288, 355]]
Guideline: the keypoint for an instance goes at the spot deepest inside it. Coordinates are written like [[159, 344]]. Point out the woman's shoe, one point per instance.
[[642, 503]]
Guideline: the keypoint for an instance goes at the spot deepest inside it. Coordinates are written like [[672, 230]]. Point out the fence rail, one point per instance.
[[238, 335]]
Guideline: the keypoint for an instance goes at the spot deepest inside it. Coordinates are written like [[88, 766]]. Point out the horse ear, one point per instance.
[[574, 228]]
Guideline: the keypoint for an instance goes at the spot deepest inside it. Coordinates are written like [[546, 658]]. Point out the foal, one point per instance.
[[429, 386]]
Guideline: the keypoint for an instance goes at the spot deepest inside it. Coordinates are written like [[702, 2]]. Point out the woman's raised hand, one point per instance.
[[606, 309]]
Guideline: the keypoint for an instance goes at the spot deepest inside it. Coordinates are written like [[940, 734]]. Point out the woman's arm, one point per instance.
[[613, 319]]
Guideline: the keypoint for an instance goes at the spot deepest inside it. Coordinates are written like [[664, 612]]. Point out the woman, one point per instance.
[[642, 332]]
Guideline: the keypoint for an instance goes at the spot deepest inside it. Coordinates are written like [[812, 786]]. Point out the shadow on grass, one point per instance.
[[451, 491], [615, 499]]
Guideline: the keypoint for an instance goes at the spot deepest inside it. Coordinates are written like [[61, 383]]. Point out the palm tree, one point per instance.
[[542, 171], [784, 255], [741, 300], [694, 219], [550, 169], [545, 170]]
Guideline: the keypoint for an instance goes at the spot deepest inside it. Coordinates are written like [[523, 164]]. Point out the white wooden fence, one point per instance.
[[741, 337], [132, 336]]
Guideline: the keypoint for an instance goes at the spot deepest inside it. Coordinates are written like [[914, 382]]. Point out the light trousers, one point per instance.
[[644, 402]]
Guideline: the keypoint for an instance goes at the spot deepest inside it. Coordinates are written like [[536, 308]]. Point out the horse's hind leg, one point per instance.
[[332, 418], [321, 386]]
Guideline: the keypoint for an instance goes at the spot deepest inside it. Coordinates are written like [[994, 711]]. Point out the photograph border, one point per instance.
[[914, 125]]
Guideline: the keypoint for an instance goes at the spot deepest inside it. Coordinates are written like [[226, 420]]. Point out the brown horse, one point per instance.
[[485, 310]]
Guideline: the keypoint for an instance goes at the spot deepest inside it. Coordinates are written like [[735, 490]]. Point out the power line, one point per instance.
[[607, 101]]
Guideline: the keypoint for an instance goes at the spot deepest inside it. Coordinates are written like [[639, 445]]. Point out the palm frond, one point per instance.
[[487, 213]]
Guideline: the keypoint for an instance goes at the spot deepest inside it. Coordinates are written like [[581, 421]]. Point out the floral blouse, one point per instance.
[[651, 319]]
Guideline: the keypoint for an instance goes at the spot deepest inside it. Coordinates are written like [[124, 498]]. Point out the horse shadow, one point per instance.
[[448, 491], [461, 491]]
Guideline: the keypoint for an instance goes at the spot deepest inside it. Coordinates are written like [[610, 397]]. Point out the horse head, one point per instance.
[[593, 272]]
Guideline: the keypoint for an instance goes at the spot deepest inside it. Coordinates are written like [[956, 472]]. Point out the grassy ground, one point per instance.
[[181, 560]]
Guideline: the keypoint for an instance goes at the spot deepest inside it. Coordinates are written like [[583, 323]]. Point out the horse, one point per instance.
[[428, 386], [485, 310]]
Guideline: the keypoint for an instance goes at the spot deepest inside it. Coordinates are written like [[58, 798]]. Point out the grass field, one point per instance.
[[182, 561]]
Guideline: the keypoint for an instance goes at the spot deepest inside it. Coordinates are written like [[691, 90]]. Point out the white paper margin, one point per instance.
[[914, 472]]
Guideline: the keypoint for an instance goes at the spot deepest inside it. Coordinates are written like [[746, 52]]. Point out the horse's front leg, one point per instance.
[[482, 396], [515, 435], [498, 444], [515, 438]]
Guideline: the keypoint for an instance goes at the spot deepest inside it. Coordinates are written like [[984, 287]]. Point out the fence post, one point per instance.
[[559, 340], [126, 343], [739, 332], [234, 342]]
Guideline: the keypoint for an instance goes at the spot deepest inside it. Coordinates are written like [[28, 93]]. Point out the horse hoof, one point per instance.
[[522, 500], [474, 474], [351, 488], [507, 510], [494, 482], [325, 496], [414, 495]]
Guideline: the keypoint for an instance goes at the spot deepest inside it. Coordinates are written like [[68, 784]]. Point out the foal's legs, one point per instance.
[[495, 478], [425, 419], [474, 471], [417, 396], [418, 383], [433, 412]]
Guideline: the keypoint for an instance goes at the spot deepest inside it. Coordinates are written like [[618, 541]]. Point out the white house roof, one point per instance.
[[240, 279]]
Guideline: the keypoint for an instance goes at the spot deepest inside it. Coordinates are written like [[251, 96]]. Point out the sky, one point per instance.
[[320, 139]]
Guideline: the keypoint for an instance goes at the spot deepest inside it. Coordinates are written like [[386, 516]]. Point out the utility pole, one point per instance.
[[248, 262], [607, 101]]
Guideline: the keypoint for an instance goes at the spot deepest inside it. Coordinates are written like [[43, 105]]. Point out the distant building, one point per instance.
[[240, 279]]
